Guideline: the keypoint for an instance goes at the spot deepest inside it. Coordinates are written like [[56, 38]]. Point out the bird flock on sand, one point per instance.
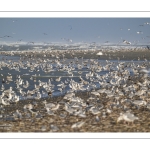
[[109, 86]]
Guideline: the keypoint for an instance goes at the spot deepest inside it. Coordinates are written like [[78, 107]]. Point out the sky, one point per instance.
[[74, 30]]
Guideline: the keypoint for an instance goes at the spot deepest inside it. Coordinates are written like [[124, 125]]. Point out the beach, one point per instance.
[[87, 110], [64, 123]]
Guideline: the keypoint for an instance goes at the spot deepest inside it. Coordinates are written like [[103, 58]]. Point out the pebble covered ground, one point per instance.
[[63, 121]]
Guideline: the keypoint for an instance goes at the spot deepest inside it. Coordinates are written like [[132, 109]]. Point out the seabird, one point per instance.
[[127, 117]]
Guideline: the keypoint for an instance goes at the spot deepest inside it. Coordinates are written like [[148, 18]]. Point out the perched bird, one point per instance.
[[127, 117], [48, 105], [17, 114], [34, 111]]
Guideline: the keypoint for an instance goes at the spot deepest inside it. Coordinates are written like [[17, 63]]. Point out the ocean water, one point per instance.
[[73, 46]]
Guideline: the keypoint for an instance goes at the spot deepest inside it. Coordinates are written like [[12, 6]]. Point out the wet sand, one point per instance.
[[123, 54]]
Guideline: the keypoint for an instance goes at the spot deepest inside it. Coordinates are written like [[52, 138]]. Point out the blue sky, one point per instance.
[[72, 30]]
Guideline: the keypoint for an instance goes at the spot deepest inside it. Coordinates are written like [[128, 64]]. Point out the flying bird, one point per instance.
[[8, 36], [147, 23], [69, 40], [15, 20], [126, 42], [31, 42], [139, 32]]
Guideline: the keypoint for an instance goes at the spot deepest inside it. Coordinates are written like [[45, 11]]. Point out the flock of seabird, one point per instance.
[[122, 84]]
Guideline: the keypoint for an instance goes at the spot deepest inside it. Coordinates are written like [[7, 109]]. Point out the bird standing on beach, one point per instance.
[[17, 114], [33, 111], [127, 117]]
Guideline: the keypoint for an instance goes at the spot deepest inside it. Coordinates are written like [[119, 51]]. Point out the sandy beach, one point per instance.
[[91, 124], [61, 120]]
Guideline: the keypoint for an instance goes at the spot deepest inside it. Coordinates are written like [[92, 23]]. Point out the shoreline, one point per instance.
[[85, 54]]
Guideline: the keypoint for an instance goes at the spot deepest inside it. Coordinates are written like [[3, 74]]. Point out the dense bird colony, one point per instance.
[[61, 94]]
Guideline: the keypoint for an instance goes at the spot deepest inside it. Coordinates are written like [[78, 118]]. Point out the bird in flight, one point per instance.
[[14, 20], [31, 42], [126, 42], [69, 40], [8, 36], [147, 23], [139, 32]]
